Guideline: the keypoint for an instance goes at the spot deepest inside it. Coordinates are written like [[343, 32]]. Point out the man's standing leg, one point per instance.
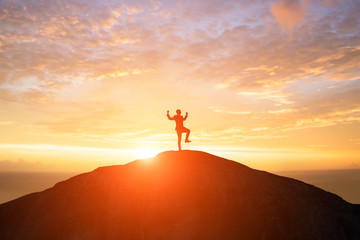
[[179, 139]]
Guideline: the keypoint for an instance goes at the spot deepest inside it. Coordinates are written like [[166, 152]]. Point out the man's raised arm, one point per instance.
[[186, 115], [170, 118]]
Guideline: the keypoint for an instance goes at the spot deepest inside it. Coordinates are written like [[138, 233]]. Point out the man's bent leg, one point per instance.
[[179, 139], [187, 135]]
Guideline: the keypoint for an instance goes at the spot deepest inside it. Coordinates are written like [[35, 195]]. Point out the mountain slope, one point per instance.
[[180, 195]]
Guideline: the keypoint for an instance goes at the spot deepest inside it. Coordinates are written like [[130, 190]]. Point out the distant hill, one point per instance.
[[180, 195]]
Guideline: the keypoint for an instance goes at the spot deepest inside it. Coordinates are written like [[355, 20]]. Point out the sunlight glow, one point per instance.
[[146, 153]]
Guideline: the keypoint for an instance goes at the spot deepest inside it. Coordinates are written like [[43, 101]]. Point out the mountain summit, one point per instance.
[[180, 195]]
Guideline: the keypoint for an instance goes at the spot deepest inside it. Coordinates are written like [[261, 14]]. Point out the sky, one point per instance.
[[273, 84]]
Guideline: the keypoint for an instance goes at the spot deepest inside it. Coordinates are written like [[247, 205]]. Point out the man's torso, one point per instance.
[[179, 122]]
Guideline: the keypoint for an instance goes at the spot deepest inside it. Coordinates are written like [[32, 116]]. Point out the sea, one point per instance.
[[17, 184], [345, 183]]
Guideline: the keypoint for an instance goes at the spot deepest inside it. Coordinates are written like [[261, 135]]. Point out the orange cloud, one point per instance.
[[289, 13]]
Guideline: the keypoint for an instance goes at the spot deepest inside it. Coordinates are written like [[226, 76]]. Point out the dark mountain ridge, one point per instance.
[[180, 195]]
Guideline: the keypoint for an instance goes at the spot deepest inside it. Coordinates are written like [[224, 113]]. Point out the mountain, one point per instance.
[[180, 195]]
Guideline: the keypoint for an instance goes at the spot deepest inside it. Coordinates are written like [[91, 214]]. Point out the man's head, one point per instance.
[[178, 112]]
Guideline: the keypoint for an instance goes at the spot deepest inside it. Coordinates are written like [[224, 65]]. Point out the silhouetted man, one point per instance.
[[180, 126]]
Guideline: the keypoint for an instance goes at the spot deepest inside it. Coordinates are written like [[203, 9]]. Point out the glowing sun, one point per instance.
[[146, 152]]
